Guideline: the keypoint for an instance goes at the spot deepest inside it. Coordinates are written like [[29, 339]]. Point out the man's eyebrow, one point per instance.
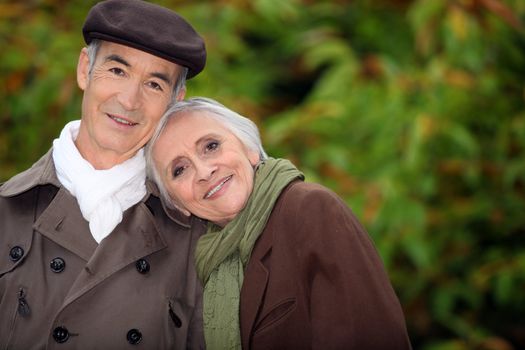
[[118, 59], [163, 77]]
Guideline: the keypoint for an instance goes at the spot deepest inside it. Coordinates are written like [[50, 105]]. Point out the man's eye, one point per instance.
[[178, 171], [155, 86], [212, 146], [116, 71]]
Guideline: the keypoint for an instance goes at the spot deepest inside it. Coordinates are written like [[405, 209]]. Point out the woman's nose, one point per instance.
[[205, 171]]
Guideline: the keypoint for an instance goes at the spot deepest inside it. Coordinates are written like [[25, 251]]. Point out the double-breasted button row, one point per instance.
[[57, 265], [134, 336], [16, 253], [142, 266], [61, 335]]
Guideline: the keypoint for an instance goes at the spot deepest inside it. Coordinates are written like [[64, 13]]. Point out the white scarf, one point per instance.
[[103, 195]]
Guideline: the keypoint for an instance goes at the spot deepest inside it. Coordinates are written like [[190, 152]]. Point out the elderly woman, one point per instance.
[[285, 264]]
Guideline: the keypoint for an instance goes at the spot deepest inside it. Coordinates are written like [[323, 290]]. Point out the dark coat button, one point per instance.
[[60, 334], [142, 266], [134, 336], [57, 265], [16, 253]]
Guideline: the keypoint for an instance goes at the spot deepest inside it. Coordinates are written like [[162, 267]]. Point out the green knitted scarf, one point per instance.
[[222, 254]]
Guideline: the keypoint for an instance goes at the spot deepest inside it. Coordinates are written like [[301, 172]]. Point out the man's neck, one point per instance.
[[100, 159]]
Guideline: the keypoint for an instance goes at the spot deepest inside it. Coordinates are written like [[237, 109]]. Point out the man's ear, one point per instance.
[[83, 69], [181, 94]]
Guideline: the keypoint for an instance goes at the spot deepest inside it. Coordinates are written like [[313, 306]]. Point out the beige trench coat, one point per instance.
[[59, 289]]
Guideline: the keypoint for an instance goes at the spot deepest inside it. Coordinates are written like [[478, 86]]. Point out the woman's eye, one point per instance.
[[211, 146], [178, 171]]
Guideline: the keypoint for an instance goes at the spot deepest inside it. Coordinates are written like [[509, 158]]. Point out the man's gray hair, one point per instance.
[[180, 84], [243, 128]]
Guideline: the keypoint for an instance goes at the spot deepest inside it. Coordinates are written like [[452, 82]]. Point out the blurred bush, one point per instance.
[[413, 111]]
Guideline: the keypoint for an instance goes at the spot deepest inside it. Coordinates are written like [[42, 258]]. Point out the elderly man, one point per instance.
[[89, 256]]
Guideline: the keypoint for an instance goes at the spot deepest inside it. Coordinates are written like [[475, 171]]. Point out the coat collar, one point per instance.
[[43, 173], [173, 214]]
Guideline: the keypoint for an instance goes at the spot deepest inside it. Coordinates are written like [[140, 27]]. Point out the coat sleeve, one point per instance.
[[352, 303]]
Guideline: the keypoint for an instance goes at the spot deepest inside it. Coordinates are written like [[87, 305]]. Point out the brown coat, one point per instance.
[[315, 281], [138, 285]]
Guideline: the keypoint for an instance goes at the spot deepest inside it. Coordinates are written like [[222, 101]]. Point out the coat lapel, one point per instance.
[[135, 237], [62, 222], [254, 287]]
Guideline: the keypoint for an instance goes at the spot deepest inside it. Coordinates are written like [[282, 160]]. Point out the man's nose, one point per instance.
[[130, 96]]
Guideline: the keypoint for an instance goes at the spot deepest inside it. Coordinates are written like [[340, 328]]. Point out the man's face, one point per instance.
[[125, 95]]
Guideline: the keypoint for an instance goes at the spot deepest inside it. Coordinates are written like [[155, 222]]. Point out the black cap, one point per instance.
[[147, 27]]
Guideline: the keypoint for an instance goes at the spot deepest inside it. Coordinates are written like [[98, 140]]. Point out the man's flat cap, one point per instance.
[[147, 27]]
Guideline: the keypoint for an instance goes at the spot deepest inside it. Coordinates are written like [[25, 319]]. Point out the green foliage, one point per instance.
[[413, 111]]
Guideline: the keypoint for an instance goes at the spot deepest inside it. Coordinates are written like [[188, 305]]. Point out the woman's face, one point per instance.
[[205, 168]]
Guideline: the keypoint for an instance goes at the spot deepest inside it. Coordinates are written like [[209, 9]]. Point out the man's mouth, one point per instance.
[[121, 120], [218, 187]]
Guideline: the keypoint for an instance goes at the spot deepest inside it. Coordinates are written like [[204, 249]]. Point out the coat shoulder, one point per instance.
[[299, 193], [305, 203], [42, 172]]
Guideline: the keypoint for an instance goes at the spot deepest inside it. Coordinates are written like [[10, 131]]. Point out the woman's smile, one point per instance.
[[217, 188]]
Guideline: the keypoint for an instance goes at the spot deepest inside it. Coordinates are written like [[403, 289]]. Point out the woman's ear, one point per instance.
[[253, 157]]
